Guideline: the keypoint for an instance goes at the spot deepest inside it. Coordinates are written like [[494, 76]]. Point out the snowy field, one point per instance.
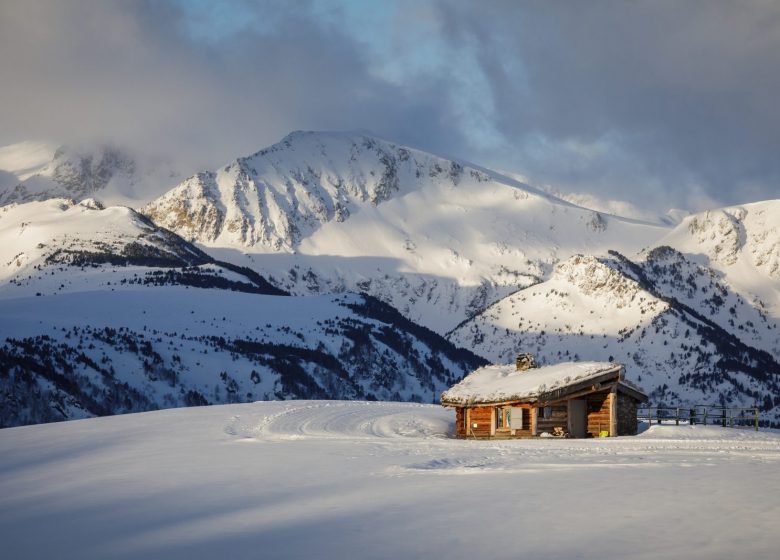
[[319, 479]]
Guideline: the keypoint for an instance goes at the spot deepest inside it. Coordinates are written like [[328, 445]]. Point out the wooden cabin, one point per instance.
[[574, 399]]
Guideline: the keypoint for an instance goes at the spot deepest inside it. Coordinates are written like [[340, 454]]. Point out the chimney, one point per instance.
[[525, 361]]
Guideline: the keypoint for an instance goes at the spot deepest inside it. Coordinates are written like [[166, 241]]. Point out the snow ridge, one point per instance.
[[32, 171], [438, 238]]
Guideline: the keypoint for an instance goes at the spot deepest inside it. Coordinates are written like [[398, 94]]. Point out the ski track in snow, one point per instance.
[[346, 420], [431, 427]]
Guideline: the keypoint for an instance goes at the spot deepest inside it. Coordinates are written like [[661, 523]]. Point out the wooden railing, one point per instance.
[[706, 415]]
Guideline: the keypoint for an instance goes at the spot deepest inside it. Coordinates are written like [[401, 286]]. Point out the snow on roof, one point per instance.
[[503, 383]]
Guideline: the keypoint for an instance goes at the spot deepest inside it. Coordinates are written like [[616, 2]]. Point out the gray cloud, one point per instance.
[[659, 102], [131, 73], [677, 97]]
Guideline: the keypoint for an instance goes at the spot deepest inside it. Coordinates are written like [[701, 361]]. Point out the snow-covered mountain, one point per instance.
[[149, 346], [491, 263], [32, 171], [437, 238], [742, 243], [603, 205], [698, 321], [39, 234], [103, 312]]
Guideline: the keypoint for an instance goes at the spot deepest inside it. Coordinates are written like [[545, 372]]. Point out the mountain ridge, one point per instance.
[[438, 248], [437, 230]]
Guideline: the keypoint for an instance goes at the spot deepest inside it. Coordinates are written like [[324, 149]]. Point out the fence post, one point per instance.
[[705, 415], [723, 417], [692, 417], [755, 411], [677, 417], [658, 414]]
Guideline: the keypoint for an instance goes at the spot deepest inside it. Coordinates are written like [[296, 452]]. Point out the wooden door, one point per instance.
[[578, 417]]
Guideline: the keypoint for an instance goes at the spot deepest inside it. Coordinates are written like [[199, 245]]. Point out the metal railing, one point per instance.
[[706, 415]]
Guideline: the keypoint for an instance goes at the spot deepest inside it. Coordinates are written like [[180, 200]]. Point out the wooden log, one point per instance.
[[613, 415]]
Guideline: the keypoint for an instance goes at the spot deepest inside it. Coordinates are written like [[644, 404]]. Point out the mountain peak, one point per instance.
[[747, 235], [277, 196]]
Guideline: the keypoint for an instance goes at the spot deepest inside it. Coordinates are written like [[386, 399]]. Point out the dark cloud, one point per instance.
[[133, 73], [661, 102], [673, 96]]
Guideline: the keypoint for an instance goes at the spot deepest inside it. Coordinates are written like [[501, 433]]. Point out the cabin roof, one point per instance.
[[504, 383]]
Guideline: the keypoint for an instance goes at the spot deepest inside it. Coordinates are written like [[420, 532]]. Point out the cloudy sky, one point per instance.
[[662, 103]]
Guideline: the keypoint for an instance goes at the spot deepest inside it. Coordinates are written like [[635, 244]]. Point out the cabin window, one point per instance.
[[509, 417], [502, 417], [545, 412]]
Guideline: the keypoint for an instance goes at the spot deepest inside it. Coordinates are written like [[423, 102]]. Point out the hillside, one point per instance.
[[494, 265], [698, 322], [60, 231], [741, 244], [437, 238], [102, 312]]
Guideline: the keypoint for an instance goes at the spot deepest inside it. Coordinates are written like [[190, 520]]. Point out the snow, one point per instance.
[[621, 208], [436, 238], [742, 243], [41, 170], [33, 231], [332, 479], [596, 309], [24, 159], [193, 330], [502, 383], [167, 341]]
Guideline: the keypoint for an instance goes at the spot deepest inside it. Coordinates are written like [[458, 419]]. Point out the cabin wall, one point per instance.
[[598, 418], [484, 418], [598, 413], [525, 432], [626, 408], [460, 422], [559, 418]]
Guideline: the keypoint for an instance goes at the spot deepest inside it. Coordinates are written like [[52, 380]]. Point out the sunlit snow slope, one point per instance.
[[496, 266], [438, 238], [60, 231], [697, 321], [333, 479]]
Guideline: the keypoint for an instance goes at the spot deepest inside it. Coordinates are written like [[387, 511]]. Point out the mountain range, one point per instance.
[[343, 265]]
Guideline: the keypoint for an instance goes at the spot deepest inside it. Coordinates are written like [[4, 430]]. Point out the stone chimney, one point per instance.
[[525, 361]]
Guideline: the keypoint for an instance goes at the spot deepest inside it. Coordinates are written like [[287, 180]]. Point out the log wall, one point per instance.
[[598, 413], [559, 418], [483, 417], [460, 422], [524, 433]]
